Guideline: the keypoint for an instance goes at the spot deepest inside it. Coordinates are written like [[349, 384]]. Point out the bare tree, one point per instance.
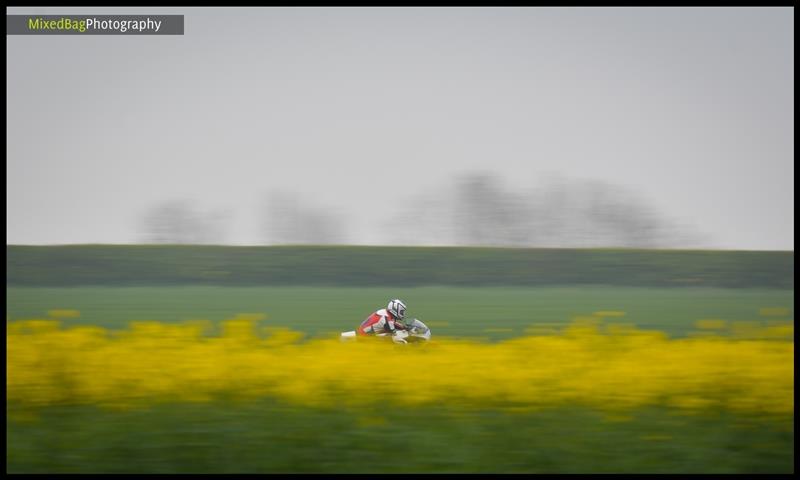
[[572, 213], [176, 222], [563, 213], [487, 214], [618, 217]]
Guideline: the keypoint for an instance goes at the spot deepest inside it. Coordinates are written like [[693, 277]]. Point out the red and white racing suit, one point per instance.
[[380, 322]]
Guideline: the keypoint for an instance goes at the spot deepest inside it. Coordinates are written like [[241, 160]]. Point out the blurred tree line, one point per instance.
[[479, 210], [476, 210]]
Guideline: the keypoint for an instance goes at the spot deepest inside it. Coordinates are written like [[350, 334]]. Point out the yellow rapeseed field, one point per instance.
[[588, 363]]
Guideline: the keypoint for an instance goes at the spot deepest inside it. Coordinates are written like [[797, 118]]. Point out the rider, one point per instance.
[[385, 321]]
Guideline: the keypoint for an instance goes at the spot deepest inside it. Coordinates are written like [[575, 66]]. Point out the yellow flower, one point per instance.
[[614, 368]]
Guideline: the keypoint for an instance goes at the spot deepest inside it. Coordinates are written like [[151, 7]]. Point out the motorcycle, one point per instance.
[[415, 331]]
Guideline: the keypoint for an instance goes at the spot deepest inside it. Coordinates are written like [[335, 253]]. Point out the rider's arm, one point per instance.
[[396, 325]]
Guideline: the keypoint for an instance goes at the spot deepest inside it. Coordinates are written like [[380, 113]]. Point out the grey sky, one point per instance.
[[358, 109]]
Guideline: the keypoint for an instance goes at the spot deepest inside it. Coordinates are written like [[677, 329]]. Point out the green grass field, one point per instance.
[[451, 311], [267, 437]]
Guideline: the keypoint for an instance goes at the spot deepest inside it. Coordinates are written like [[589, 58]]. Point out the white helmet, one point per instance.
[[397, 308]]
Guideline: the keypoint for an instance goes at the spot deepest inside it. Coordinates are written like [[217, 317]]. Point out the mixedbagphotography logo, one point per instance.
[[94, 24]]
